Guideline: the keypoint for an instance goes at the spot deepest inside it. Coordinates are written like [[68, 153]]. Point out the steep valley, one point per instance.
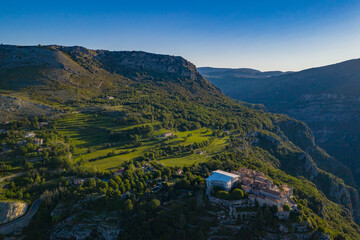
[[325, 98]]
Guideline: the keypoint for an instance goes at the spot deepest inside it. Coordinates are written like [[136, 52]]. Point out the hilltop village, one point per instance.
[[259, 188]]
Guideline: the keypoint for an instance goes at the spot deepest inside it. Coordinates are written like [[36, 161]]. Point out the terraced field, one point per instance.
[[90, 134]]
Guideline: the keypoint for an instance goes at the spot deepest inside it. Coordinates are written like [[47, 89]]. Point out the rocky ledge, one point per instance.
[[11, 210]]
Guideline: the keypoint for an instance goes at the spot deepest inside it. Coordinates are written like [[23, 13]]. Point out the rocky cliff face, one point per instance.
[[148, 61], [317, 160], [334, 120], [116, 61], [98, 225], [140, 63], [307, 160], [11, 210], [81, 73]]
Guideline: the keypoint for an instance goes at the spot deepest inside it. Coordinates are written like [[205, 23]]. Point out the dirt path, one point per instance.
[[12, 176]]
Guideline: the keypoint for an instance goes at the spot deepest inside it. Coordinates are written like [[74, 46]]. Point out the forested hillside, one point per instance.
[[168, 127]]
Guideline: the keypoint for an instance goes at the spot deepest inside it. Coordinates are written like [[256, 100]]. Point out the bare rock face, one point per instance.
[[150, 62], [117, 61], [309, 163], [97, 226], [73, 225], [347, 196], [11, 210]]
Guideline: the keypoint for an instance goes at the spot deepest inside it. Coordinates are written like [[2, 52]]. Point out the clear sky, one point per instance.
[[263, 34]]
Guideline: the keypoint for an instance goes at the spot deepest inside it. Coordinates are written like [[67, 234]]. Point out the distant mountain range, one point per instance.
[[326, 98]]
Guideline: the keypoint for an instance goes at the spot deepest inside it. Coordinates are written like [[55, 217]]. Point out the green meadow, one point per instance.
[[90, 134]]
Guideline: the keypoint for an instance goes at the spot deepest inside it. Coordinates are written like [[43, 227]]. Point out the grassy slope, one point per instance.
[[87, 131], [79, 126]]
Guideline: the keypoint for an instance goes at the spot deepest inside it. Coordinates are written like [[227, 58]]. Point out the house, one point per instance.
[[78, 181], [119, 171], [247, 189], [201, 152], [270, 193], [288, 191], [30, 134], [110, 98], [179, 171], [167, 134], [221, 179], [266, 201], [39, 141]]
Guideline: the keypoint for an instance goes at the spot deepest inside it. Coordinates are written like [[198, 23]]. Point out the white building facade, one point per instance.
[[221, 179]]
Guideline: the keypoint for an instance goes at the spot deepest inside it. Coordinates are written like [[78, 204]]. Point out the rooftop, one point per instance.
[[275, 193], [220, 175]]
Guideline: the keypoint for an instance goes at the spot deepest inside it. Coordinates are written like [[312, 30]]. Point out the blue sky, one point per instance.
[[266, 35]]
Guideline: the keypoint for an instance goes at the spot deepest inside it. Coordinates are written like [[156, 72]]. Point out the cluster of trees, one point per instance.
[[33, 183], [135, 181], [235, 194], [169, 149], [56, 151], [164, 152], [151, 222], [133, 134], [5, 168], [265, 217], [28, 123]]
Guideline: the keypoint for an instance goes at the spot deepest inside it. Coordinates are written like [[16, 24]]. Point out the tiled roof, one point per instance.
[[271, 192], [273, 199]]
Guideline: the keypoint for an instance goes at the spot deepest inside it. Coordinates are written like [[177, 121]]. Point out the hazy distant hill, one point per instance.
[[237, 72], [326, 98]]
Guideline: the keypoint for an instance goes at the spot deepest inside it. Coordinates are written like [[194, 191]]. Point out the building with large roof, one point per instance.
[[221, 179]]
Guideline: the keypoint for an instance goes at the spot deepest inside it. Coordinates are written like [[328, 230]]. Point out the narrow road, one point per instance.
[[12, 176], [22, 221]]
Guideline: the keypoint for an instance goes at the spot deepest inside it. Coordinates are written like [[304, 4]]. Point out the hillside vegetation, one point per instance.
[[326, 98], [110, 109]]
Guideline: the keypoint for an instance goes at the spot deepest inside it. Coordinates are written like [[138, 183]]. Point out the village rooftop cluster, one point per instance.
[[258, 187]]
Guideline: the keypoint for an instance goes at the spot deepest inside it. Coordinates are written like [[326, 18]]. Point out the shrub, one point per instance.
[[286, 208], [237, 194], [223, 195]]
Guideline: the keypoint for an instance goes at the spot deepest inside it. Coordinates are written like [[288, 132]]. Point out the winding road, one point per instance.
[[22, 221]]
